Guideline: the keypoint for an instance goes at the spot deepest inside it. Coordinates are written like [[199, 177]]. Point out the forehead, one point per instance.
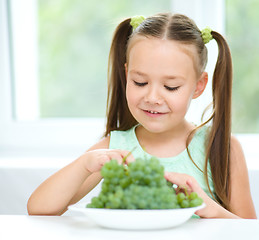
[[160, 55]]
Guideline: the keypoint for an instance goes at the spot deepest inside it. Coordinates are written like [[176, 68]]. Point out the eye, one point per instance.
[[172, 88], [140, 84]]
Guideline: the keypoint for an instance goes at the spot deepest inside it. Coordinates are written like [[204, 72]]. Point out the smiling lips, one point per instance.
[[153, 113]]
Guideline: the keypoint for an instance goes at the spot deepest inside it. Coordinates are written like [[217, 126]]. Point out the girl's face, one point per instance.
[[161, 82]]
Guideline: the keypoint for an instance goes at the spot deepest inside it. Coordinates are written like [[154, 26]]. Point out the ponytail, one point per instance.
[[118, 114], [218, 144]]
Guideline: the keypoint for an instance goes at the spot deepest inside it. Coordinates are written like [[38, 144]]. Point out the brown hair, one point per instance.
[[179, 28]]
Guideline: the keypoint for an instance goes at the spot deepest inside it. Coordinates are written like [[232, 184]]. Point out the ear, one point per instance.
[[201, 85], [126, 70]]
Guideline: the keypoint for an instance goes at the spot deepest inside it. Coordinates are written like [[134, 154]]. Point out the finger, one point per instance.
[[193, 185], [167, 176], [117, 156], [104, 159], [174, 178], [180, 180], [127, 156], [196, 188]]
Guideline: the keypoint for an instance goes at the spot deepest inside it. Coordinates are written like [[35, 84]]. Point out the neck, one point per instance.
[[178, 132], [160, 144]]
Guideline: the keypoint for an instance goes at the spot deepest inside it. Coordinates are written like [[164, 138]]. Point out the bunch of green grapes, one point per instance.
[[189, 200], [139, 185]]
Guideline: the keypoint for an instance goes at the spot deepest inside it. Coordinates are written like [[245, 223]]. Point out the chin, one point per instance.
[[154, 128]]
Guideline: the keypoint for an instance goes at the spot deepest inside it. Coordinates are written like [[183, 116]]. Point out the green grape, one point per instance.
[[196, 202], [103, 197], [139, 185], [115, 181], [193, 195], [96, 202], [185, 203], [180, 197]]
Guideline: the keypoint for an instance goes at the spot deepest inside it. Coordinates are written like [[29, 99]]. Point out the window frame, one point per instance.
[[63, 137]]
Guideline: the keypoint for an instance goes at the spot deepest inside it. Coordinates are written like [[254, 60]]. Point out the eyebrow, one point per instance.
[[138, 73], [167, 77]]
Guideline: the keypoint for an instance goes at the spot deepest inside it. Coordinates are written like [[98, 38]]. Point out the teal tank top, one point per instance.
[[127, 140]]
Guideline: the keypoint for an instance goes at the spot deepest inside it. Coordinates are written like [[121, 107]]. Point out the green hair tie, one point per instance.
[[206, 35], [136, 21]]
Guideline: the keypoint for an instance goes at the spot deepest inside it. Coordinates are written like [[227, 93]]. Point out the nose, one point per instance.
[[153, 96]]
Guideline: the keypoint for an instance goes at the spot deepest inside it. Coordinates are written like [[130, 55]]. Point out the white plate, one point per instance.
[[137, 219]]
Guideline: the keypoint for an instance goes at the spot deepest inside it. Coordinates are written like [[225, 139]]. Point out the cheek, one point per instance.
[[180, 102], [130, 95]]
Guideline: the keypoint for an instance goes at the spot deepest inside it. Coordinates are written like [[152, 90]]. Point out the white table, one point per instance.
[[68, 227]]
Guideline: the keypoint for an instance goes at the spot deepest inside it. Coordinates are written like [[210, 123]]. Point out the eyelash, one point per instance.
[[171, 88], [140, 84]]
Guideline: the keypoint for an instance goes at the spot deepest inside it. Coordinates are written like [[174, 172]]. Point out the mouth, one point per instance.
[[153, 113]]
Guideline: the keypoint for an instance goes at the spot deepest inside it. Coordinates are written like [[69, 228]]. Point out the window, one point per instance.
[[241, 30]]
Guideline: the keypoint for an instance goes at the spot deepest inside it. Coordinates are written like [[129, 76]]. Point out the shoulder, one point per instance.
[[122, 133], [200, 136], [102, 144], [122, 139], [236, 151], [116, 139], [238, 168], [237, 158], [202, 132]]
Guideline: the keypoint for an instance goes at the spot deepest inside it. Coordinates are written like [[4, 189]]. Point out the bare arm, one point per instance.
[[241, 204], [71, 183]]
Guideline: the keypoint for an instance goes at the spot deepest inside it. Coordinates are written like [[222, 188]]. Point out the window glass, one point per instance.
[[73, 43], [242, 33]]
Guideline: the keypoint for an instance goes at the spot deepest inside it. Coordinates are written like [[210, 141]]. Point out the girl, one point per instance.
[[156, 67]]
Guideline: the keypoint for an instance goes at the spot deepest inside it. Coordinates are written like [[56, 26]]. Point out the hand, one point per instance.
[[191, 185], [95, 159]]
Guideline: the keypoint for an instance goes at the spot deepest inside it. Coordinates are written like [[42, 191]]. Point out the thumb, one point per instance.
[[167, 175]]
